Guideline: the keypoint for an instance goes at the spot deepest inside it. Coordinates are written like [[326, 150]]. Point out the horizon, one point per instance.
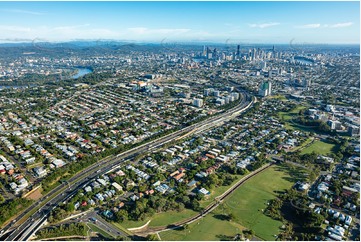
[[145, 42], [153, 22]]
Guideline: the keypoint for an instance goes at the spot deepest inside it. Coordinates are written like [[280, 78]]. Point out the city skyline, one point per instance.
[[236, 22]]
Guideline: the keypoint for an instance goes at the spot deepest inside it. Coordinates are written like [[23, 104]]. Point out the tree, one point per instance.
[[195, 205], [152, 237], [231, 217], [121, 215]]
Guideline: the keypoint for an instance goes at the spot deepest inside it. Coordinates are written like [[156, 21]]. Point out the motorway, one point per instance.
[[87, 217], [29, 221]]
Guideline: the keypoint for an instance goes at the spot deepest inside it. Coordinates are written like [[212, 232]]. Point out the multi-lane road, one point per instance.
[[29, 221]]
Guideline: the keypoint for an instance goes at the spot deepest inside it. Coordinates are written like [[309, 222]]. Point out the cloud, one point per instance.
[[309, 26], [341, 25], [22, 11], [71, 27], [142, 31], [315, 26], [9, 32], [16, 40], [264, 25], [14, 28]]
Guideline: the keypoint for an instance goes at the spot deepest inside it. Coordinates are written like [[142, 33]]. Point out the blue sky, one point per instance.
[[239, 22]]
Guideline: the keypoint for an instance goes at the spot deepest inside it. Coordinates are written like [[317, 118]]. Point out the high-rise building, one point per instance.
[[238, 51], [235, 95], [215, 54], [208, 91], [216, 93], [265, 89], [198, 102], [264, 65]]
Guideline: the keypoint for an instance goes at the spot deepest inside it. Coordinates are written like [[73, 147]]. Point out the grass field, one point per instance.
[[171, 217], [166, 218], [281, 97], [320, 147], [304, 144], [217, 192], [161, 219], [288, 116], [291, 114], [246, 203], [209, 228]]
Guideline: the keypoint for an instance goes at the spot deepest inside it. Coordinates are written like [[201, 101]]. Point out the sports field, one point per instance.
[[320, 147]]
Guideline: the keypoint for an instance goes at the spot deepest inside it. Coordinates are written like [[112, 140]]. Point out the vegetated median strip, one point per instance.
[[208, 209], [126, 231]]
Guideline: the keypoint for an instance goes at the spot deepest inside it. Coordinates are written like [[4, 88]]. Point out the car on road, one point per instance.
[[93, 219]]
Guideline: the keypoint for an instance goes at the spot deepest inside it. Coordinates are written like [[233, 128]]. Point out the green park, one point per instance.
[[247, 204]]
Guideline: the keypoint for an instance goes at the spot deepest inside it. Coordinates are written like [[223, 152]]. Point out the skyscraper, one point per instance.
[[198, 102], [265, 89]]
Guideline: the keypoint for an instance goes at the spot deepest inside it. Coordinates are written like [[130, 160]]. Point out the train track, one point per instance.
[[205, 211]]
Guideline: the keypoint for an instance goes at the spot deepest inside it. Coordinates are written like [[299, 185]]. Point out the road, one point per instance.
[[29, 221], [87, 217]]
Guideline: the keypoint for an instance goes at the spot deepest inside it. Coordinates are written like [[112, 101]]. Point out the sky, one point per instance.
[[227, 22]]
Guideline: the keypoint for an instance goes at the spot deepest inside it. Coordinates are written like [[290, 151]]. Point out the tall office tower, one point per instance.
[[265, 89], [254, 53], [208, 92], [238, 50], [274, 54], [264, 65], [215, 55], [223, 56], [209, 53]]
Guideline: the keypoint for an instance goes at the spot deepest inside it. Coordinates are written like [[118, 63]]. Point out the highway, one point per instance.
[[88, 217], [29, 221]]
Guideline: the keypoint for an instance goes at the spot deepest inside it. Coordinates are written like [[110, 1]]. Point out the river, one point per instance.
[[81, 72]]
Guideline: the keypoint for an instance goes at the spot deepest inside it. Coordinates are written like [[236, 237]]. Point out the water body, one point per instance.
[[81, 72]]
